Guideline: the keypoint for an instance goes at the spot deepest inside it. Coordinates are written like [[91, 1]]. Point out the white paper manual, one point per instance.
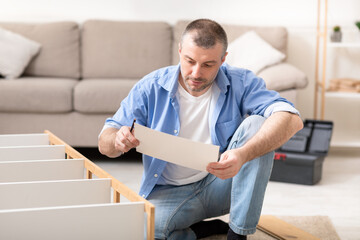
[[175, 149]]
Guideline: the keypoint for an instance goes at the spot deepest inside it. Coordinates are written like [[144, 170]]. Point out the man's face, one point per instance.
[[199, 66]]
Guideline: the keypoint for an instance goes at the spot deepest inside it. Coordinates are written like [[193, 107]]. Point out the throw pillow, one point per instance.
[[283, 76], [16, 52], [251, 52]]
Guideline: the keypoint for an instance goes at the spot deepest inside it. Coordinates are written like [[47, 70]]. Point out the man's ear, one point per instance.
[[224, 58], [179, 48]]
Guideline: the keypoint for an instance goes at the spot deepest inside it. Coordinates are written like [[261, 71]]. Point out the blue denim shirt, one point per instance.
[[153, 103]]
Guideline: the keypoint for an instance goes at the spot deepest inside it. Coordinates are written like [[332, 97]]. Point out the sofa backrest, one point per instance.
[[275, 36], [59, 55], [116, 49]]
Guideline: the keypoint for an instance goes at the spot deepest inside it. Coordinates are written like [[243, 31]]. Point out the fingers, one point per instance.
[[222, 164], [125, 140], [221, 170], [227, 167], [223, 174]]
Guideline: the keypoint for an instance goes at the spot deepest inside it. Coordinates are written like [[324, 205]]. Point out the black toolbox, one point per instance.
[[300, 159]]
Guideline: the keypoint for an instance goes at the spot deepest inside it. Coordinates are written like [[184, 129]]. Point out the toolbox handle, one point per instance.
[[280, 156]]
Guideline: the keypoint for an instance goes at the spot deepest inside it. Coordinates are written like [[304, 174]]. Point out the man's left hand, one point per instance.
[[229, 165]]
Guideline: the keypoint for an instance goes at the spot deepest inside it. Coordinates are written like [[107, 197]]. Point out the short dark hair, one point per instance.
[[208, 33]]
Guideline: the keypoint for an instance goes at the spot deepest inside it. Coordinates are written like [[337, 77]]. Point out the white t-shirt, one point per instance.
[[194, 124]]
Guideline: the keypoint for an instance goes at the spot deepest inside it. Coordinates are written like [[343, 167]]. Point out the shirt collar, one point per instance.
[[222, 80], [170, 82]]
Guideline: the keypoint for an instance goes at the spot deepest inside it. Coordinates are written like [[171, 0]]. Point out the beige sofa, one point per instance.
[[83, 71]]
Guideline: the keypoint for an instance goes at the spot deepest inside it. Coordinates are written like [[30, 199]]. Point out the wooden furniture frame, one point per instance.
[[320, 83], [118, 187]]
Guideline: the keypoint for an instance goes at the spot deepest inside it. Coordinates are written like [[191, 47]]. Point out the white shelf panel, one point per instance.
[[342, 94], [40, 152], [8, 140], [54, 193], [345, 143], [92, 222], [344, 45], [41, 170], [345, 139]]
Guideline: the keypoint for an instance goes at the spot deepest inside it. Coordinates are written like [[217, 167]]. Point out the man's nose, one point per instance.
[[196, 71]]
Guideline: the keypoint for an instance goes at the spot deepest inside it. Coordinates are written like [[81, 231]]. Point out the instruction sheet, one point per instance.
[[175, 149]]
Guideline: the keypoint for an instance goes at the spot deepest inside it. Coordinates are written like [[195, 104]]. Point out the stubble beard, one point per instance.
[[202, 88]]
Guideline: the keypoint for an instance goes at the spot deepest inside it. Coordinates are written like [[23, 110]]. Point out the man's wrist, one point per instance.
[[243, 155]]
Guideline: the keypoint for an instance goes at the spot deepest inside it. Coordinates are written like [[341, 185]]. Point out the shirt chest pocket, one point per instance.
[[225, 130]]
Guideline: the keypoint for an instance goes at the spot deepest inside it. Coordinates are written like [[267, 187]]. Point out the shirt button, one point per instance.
[[155, 175], [143, 195], [175, 131]]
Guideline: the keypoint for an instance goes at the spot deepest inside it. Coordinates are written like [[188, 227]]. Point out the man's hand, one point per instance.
[[113, 142], [229, 165], [125, 140]]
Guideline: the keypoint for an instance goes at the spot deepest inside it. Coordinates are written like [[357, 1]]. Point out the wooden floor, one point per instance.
[[337, 195]]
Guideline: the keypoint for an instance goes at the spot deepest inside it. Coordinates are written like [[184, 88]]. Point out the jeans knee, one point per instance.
[[266, 161], [253, 123], [248, 128]]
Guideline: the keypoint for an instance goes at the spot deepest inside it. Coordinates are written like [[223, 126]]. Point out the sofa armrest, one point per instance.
[[283, 76]]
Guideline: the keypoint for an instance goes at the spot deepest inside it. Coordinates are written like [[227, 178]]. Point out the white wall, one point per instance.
[[298, 13], [299, 16]]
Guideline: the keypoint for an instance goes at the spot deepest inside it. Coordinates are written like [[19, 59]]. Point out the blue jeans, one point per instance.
[[178, 207]]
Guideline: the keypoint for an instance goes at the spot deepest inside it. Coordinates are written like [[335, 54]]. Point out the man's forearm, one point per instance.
[[275, 131], [107, 143]]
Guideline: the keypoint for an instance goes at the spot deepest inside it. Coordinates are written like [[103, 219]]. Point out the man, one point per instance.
[[205, 100]]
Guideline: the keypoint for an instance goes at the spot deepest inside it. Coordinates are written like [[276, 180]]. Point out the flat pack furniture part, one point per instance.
[[41, 170], [118, 187], [93, 222], [282, 230], [54, 193], [8, 140], [24, 157], [38, 152]]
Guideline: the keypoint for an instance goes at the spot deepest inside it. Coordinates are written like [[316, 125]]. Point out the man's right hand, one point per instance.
[[113, 142], [125, 140]]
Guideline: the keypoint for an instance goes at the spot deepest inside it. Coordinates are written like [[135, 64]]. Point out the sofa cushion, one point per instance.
[[275, 36], [59, 55], [16, 52], [252, 52], [114, 49], [37, 95], [101, 95], [283, 76]]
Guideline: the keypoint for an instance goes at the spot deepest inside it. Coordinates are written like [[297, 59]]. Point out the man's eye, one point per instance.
[[207, 65]]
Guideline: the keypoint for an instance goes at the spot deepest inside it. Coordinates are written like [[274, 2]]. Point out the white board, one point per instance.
[[54, 193], [41, 170], [91, 222], [40, 152], [24, 139], [174, 149]]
